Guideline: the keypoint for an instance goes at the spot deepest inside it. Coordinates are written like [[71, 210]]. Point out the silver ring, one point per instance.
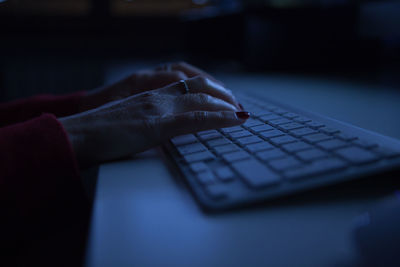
[[185, 86]]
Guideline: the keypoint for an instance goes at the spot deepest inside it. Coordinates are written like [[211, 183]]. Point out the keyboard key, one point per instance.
[[234, 156], [191, 148], [207, 132], [357, 155], [218, 142], [259, 147], [365, 144], [210, 136], [332, 144], [346, 137], [253, 122], [290, 115], [226, 149], [329, 130], [271, 154], [225, 174], [282, 140], [291, 126], [285, 163], [261, 128], [303, 131], [314, 138], [267, 118], [216, 191], [199, 156], [302, 119], [198, 167], [298, 146], [311, 154], [386, 152], [231, 129], [279, 121], [249, 140], [280, 111], [239, 134], [317, 167], [272, 133], [315, 125], [206, 177], [184, 139], [255, 173]]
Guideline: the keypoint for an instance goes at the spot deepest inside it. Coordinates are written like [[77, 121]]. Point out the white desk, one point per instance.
[[145, 216]]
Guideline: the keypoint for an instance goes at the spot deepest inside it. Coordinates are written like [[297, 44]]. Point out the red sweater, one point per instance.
[[40, 185]]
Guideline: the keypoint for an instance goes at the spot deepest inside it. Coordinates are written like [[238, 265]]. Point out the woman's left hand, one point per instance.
[[142, 81]]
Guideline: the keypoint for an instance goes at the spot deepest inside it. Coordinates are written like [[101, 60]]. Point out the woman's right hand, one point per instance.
[[142, 121]]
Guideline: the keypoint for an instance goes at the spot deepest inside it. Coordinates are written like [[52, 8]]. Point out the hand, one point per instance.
[[142, 81], [145, 120]]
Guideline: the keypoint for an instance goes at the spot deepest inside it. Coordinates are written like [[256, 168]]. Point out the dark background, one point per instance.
[[60, 46]]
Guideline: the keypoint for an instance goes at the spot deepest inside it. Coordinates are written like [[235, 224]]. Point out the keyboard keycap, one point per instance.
[[210, 136], [290, 115], [291, 126], [346, 137], [311, 154], [283, 140], [270, 117], [386, 152], [218, 142], [332, 144], [199, 156], [303, 131], [271, 154], [315, 125], [234, 156], [285, 163], [191, 148], [249, 140], [297, 146], [198, 167], [206, 132], [216, 191], [357, 155], [273, 133], [253, 122], [314, 138], [231, 129], [225, 174], [206, 177], [329, 130], [259, 147], [261, 128], [184, 139], [302, 119], [226, 149], [239, 134], [255, 173], [365, 144], [317, 167], [279, 121]]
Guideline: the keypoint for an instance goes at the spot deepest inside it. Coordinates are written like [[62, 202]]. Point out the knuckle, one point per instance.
[[202, 98], [200, 116], [202, 80]]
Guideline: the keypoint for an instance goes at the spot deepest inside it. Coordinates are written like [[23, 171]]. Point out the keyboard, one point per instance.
[[279, 151]]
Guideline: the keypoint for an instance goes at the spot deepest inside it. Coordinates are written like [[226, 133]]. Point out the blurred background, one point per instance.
[[61, 46]]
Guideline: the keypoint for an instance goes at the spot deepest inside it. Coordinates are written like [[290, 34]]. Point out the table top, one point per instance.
[[144, 215]]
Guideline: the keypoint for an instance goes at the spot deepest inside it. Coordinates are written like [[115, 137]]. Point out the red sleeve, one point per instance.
[[25, 109], [40, 185]]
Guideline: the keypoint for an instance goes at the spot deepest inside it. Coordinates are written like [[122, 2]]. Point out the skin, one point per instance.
[[132, 115]]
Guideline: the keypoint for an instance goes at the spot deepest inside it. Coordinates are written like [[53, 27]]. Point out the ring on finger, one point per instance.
[[185, 86]]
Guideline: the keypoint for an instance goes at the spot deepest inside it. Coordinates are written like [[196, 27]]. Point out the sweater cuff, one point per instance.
[[40, 181]]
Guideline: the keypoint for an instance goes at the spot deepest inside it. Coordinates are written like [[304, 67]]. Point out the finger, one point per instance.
[[192, 71], [190, 122], [201, 102], [168, 77], [201, 84]]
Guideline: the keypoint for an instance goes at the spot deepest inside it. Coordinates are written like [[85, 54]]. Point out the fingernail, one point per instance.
[[241, 106], [244, 115]]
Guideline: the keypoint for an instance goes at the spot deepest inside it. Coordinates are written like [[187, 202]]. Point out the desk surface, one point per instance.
[[145, 216]]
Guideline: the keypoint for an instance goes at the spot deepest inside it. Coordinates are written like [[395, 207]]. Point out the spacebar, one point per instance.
[[255, 173]]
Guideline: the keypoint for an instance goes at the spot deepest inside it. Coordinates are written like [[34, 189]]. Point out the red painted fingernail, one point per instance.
[[241, 106], [244, 115]]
